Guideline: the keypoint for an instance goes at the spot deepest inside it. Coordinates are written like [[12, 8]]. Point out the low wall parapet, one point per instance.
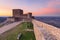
[[53, 30]]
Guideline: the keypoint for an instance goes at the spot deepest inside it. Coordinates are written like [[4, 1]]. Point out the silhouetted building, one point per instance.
[[18, 15], [33, 17], [17, 12], [29, 15]]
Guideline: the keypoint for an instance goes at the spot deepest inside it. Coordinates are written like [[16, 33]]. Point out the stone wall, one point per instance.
[[38, 34], [53, 30]]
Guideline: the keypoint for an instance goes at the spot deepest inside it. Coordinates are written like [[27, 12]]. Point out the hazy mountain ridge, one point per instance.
[[2, 19], [55, 21]]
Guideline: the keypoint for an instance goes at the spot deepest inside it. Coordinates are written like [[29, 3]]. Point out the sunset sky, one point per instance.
[[37, 7]]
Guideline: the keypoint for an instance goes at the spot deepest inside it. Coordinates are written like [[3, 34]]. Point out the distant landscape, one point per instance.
[[55, 21], [2, 19]]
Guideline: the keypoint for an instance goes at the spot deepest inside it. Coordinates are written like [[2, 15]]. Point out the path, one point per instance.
[[8, 27]]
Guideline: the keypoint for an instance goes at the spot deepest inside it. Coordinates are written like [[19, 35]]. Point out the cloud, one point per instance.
[[38, 7], [47, 11], [52, 8], [54, 4], [5, 11]]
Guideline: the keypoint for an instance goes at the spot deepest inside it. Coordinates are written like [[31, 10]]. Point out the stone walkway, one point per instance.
[[8, 27]]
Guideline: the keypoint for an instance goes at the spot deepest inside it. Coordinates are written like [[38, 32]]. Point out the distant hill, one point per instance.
[[2, 19], [55, 21]]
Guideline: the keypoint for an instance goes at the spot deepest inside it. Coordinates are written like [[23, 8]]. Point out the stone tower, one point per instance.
[[29, 15], [17, 12]]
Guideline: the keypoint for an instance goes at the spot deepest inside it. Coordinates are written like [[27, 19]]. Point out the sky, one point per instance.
[[37, 7]]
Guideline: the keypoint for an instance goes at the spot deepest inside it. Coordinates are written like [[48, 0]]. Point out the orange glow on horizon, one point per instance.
[[42, 11], [5, 13]]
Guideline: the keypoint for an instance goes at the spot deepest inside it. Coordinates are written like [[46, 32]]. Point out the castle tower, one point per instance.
[[29, 15], [17, 12]]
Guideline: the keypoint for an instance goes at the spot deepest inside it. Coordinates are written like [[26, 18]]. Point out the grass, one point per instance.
[[29, 25], [28, 36], [12, 34]]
